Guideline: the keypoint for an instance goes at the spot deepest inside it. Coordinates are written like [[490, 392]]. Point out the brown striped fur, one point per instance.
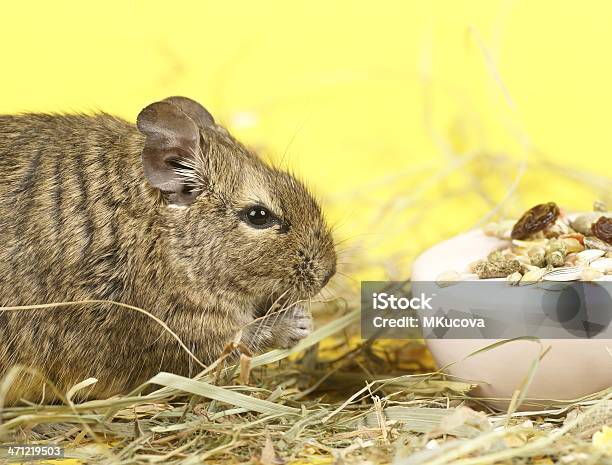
[[79, 221]]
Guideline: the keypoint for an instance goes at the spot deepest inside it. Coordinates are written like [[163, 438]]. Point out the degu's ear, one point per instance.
[[172, 130]]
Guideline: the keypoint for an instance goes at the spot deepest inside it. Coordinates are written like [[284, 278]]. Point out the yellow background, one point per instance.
[[410, 119]]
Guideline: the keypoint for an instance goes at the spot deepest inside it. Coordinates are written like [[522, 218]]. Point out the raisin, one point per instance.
[[535, 219], [602, 229]]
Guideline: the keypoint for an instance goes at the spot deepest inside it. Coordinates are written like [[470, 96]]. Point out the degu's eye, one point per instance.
[[259, 217]]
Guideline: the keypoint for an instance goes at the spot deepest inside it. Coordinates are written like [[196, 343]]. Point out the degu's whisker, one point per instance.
[[266, 313]]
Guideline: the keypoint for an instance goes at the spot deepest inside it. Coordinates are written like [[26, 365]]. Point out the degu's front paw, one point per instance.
[[291, 327]]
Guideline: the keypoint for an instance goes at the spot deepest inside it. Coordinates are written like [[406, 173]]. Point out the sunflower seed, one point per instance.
[[602, 264], [595, 243], [587, 256], [571, 273]]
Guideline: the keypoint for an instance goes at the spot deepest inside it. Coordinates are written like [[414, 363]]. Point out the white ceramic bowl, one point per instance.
[[571, 369]]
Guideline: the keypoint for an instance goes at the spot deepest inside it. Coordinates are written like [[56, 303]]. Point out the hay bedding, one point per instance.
[[332, 399], [341, 400]]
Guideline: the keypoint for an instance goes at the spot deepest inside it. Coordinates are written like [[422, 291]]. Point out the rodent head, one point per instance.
[[239, 227]]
